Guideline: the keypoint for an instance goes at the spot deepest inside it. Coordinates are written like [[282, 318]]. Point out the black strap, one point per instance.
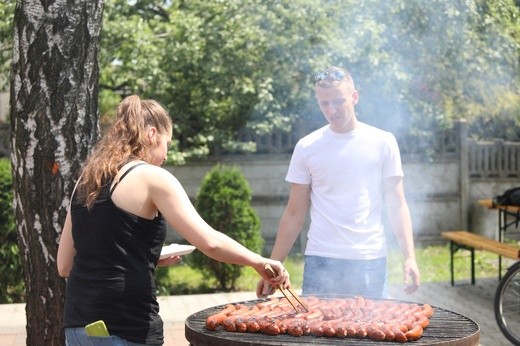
[[124, 175]]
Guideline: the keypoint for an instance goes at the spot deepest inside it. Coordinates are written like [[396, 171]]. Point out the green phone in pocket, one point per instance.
[[97, 328]]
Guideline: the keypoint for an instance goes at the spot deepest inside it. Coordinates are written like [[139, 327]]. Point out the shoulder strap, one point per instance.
[[124, 175], [74, 191]]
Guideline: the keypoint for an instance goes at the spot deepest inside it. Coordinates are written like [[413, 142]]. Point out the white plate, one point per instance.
[[176, 250]]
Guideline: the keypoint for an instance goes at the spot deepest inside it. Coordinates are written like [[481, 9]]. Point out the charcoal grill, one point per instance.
[[445, 328]]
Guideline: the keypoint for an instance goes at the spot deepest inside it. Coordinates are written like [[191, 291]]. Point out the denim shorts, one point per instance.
[[78, 337], [334, 277]]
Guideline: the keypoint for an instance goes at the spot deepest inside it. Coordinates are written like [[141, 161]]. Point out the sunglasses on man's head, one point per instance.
[[336, 75]]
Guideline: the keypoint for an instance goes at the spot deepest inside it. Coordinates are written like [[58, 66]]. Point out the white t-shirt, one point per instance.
[[346, 172]]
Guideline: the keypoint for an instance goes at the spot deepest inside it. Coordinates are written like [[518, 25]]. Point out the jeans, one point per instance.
[[78, 337], [333, 277]]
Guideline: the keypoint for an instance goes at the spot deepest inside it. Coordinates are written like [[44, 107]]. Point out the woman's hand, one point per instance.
[[168, 261], [264, 289], [268, 284]]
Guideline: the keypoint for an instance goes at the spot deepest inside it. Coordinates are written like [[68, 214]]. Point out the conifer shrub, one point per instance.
[[224, 202]]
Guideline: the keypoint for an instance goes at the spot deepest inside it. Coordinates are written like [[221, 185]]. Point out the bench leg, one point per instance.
[[499, 268], [452, 250], [472, 266]]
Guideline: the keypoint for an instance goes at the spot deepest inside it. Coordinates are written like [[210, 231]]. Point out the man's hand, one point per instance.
[[412, 277]]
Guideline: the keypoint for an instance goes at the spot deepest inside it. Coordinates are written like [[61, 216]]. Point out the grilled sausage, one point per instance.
[[298, 327], [244, 310], [374, 333], [235, 320], [329, 327], [313, 314], [215, 320], [315, 327], [341, 329], [415, 333], [352, 331], [241, 324], [271, 302], [253, 322], [427, 310], [361, 332], [389, 334], [422, 320], [399, 335], [353, 317], [229, 323], [270, 328]]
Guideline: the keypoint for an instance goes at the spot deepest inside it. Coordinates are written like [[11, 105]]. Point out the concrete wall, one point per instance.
[[4, 106], [432, 193], [266, 177], [432, 190]]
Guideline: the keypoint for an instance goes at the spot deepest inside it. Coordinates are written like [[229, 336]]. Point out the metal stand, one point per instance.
[[455, 247], [504, 224]]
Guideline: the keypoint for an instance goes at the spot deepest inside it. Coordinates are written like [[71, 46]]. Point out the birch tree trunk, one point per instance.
[[54, 122]]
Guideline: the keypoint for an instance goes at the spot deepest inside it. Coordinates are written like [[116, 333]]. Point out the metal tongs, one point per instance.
[[288, 291]]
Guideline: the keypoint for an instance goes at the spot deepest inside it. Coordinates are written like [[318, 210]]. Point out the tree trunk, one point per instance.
[[54, 122]]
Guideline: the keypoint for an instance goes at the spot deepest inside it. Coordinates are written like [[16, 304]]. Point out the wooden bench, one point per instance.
[[471, 241]]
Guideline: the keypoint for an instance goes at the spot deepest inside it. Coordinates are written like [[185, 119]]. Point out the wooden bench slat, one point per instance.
[[479, 242], [488, 203]]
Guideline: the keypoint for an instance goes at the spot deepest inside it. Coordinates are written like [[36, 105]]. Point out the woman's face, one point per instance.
[[159, 144]]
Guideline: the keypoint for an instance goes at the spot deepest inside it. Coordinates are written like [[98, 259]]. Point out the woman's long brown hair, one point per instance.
[[124, 141]]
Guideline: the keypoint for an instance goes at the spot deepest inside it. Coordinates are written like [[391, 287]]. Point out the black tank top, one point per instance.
[[112, 278]]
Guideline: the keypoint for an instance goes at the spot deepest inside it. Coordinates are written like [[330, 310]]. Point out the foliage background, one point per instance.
[[225, 68]]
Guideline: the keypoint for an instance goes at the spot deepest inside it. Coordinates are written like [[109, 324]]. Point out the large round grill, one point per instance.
[[445, 328]]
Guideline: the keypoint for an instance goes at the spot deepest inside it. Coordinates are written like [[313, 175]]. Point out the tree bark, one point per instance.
[[54, 122]]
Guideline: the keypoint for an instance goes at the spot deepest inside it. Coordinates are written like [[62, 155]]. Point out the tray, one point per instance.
[[176, 250]]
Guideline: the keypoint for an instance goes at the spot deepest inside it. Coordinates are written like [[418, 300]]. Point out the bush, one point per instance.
[[12, 283], [224, 201]]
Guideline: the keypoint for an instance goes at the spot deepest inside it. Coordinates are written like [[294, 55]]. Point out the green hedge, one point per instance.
[[11, 284]]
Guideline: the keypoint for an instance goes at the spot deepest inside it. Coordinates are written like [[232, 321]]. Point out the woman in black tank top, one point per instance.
[[115, 229]]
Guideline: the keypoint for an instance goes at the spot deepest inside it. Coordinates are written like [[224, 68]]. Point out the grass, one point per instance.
[[433, 261]]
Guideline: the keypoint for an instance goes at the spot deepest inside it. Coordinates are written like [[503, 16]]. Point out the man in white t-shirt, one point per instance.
[[344, 172]]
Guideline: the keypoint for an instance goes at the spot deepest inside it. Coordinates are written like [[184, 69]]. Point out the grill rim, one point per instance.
[[197, 334]]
